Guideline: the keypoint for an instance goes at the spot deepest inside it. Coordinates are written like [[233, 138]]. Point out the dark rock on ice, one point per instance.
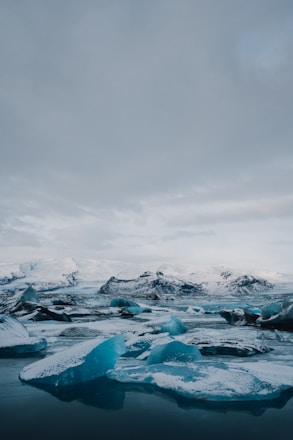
[[27, 305], [231, 348], [241, 316]]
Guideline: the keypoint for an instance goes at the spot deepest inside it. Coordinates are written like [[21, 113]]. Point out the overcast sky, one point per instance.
[[147, 130]]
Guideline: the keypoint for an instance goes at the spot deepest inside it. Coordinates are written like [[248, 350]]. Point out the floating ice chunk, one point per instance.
[[270, 309], [20, 299], [11, 327], [174, 326], [213, 381], [195, 310], [136, 310], [16, 340], [80, 332], [28, 295], [129, 308], [278, 316], [122, 302], [81, 363], [174, 351], [232, 347], [22, 346], [241, 316]]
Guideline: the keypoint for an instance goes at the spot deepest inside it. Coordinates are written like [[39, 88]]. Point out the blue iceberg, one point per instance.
[[122, 302], [79, 364], [15, 339], [174, 351], [174, 326]]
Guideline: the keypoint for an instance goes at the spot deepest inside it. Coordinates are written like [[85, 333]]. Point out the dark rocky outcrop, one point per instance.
[[151, 286]]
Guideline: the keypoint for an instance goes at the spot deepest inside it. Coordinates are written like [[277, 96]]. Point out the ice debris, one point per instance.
[[214, 381], [78, 364], [174, 326], [15, 339]]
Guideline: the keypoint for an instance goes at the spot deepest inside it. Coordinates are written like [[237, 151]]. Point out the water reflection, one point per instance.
[[104, 393]]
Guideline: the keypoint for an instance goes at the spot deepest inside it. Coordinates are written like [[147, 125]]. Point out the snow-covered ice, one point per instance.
[[78, 364], [214, 381], [15, 339], [182, 344]]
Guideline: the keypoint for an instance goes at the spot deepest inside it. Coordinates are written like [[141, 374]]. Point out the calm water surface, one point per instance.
[[106, 410]]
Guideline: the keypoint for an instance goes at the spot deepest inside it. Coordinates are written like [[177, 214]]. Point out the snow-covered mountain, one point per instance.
[[118, 278]]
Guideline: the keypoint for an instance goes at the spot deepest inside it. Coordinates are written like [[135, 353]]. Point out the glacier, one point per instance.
[[80, 363]]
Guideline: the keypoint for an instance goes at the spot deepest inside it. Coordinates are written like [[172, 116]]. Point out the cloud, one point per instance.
[[125, 124]]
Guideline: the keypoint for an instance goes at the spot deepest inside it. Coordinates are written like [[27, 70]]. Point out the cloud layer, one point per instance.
[[148, 130]]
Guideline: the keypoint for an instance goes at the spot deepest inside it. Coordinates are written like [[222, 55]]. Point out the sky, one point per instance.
[[147, 130]]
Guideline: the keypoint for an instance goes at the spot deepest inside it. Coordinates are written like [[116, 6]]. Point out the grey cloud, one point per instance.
[[130, 107], [262, 210]]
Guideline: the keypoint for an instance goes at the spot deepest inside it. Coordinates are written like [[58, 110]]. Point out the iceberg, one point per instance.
[[15, 339], [212, 381], [241, 316], [27, 305], [278, 316], [80, 363], [174, 351], [129, 308], [174, 326], [122, 302], [232, 347]]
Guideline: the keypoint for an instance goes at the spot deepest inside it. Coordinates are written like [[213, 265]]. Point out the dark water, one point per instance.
[[106, 410]]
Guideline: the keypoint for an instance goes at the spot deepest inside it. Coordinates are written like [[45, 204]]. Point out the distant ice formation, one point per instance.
[[277, 315]]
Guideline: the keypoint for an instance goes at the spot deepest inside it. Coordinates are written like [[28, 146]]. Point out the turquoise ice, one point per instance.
[[79, 364]]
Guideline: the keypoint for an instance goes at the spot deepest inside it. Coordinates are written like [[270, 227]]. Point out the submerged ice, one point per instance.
[[78, 364]]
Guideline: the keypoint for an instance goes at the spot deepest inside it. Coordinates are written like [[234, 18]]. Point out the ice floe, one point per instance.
[[15, 339], [212, 381], [80, 363]]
